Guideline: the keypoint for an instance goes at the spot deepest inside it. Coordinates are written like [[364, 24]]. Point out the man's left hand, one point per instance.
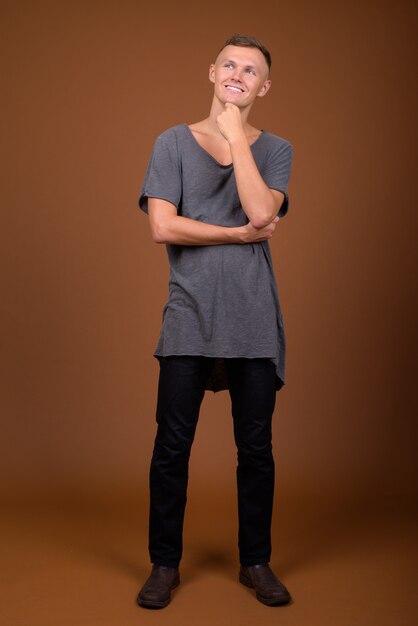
[[229, 123]]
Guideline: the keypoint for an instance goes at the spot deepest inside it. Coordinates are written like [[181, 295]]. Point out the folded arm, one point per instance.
[[169, 228]]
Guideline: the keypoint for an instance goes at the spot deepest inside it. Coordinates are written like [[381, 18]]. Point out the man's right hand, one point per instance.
[[250, 234]]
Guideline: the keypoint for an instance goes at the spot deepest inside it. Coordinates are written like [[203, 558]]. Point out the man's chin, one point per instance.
[[232, 100]]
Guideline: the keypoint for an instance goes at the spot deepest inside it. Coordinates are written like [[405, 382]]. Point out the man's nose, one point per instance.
[[237, 74]]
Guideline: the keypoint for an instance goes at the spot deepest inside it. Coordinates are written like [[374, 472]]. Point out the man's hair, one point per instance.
[[245, 41]]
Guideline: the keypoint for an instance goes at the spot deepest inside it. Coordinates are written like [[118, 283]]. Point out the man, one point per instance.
[[214, 192]]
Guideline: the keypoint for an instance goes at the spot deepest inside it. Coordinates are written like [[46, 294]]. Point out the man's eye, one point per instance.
[[251, 72], [228, 64]]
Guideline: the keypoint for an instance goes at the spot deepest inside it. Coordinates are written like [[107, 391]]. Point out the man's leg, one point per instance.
[[181, 388], [180, 393], [253, 396]]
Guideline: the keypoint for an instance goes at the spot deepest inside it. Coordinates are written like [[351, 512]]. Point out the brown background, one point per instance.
[[87, 87]]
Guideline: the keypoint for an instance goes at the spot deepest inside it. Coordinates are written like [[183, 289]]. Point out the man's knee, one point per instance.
[[173, 445], [255, 456]]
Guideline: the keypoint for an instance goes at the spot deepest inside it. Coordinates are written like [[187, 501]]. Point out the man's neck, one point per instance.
[[210, 126]]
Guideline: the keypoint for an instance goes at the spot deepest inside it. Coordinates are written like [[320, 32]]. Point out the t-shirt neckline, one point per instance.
[[210, 155]]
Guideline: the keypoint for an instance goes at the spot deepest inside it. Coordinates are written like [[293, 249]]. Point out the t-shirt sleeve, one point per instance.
[[276, 172], [163, 176]]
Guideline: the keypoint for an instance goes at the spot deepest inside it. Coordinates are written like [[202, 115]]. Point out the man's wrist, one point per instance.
[[239, 141], [238, 234]]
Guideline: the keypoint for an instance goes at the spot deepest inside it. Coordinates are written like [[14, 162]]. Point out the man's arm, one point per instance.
[[259, 202], [168, 227]]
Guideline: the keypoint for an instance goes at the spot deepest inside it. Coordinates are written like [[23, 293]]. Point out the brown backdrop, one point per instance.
[[87, 88]]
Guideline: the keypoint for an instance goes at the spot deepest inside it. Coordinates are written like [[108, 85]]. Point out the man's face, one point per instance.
[[239, 75]]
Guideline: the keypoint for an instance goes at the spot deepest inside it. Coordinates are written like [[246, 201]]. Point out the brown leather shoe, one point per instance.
[[269, 590], [155, 593]]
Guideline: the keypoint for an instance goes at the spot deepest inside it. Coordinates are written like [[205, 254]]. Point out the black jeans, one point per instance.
[[180, 393]]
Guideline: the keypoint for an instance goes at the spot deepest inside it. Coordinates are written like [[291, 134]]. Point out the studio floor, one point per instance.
[[80, 562]]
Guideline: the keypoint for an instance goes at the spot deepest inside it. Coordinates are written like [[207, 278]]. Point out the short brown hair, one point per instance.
[[245, 41]]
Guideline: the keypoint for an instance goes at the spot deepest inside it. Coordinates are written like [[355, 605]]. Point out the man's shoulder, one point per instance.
[[171, 133], [276, 140]]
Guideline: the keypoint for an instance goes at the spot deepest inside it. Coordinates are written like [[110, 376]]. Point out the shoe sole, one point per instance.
[[268, 601], [150, 604]]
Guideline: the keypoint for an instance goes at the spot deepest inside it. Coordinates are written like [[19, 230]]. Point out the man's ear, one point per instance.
[[264, 89], [212, 73]]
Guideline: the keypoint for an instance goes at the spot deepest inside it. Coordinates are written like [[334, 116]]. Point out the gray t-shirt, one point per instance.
[[223, 299]]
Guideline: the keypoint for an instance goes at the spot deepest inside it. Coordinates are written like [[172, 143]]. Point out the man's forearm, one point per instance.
[[169, 228], [257, 200], [186, 231]]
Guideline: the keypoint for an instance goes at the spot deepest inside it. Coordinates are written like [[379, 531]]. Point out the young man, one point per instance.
[[214, 192]]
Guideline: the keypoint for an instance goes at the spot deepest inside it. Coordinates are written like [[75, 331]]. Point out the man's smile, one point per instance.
[[234, 89]]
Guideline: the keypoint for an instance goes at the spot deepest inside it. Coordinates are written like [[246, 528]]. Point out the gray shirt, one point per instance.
[[223, 299]]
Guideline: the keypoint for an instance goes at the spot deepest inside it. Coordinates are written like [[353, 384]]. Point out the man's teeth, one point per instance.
[[236, 89]]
